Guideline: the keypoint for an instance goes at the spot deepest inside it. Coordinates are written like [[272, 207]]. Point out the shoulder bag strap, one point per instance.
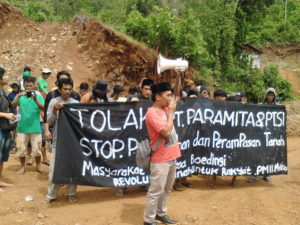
[[160, 138], [153, 149]]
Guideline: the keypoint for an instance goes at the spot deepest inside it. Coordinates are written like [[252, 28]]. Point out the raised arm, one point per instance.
[[15, 102], [166, 132]]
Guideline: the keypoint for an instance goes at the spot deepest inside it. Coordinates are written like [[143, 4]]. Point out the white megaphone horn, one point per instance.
[[164, 64]]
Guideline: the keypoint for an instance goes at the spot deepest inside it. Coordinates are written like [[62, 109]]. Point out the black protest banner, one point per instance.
[[97, 142]]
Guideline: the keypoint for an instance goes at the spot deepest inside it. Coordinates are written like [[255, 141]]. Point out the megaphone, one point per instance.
[[164, 64]]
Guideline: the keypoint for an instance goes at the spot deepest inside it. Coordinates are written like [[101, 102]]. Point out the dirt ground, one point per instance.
[[258, 203]]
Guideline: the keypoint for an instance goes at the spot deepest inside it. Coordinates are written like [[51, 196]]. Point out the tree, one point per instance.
[[272, 79], [37, 11]]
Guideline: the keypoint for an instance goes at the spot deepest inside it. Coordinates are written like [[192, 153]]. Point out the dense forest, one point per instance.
[[209, 33]]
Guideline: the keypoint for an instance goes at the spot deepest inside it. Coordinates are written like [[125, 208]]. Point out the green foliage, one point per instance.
[[139, 27], [273, 28], [209, 34], [144, 6], [219, 33], [36, 10], [254, 84], [245, 79], [66, 9], [248, 13], [272, 79], [156, 29], [189, 42], [170, 35], [114, 13]]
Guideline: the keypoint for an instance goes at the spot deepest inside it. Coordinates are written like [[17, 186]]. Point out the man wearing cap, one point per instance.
[[145, 91], [270, 99], [193, 93], [98, 94], [203, 92], [119, 94], [42, 88], [26, 73], [43, 83], [220, 95], [160, 127], [133, 91]]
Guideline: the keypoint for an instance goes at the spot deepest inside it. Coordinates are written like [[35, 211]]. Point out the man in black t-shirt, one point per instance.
[[5, 136]]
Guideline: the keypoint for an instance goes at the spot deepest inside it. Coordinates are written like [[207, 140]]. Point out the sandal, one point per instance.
[[212, 181], [234, 182], [120, 192], [177, 187], [13, 150], [29, 162], [187, 184], [46, 163], [48, 201], [267, 178], [72, 198], [252, 179]]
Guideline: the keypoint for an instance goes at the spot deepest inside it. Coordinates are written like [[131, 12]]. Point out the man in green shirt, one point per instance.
[[29, 129], [43, 83]]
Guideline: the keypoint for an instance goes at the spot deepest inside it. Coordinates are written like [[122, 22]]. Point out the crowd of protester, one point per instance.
[[29, 113]]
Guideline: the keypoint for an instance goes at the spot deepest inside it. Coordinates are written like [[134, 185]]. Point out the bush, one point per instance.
[[171, 35], [247, 80], [272, 79], [37, 11], [274, 29]]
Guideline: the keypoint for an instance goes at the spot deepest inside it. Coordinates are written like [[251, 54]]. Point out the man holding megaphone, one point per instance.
[[160, 127], [162, 133]]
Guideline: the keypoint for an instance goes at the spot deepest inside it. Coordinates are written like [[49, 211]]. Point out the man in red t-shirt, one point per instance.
[[160, 127]]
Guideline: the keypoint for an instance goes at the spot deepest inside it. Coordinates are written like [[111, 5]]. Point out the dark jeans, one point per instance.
[[5, 145]]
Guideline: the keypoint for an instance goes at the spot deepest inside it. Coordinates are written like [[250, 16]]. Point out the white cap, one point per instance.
[[45, 70]]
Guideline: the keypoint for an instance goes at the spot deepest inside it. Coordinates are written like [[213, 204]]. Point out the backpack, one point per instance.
[[143, 153]]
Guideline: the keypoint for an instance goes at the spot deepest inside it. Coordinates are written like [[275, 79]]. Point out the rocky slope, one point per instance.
[[86, 48]]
